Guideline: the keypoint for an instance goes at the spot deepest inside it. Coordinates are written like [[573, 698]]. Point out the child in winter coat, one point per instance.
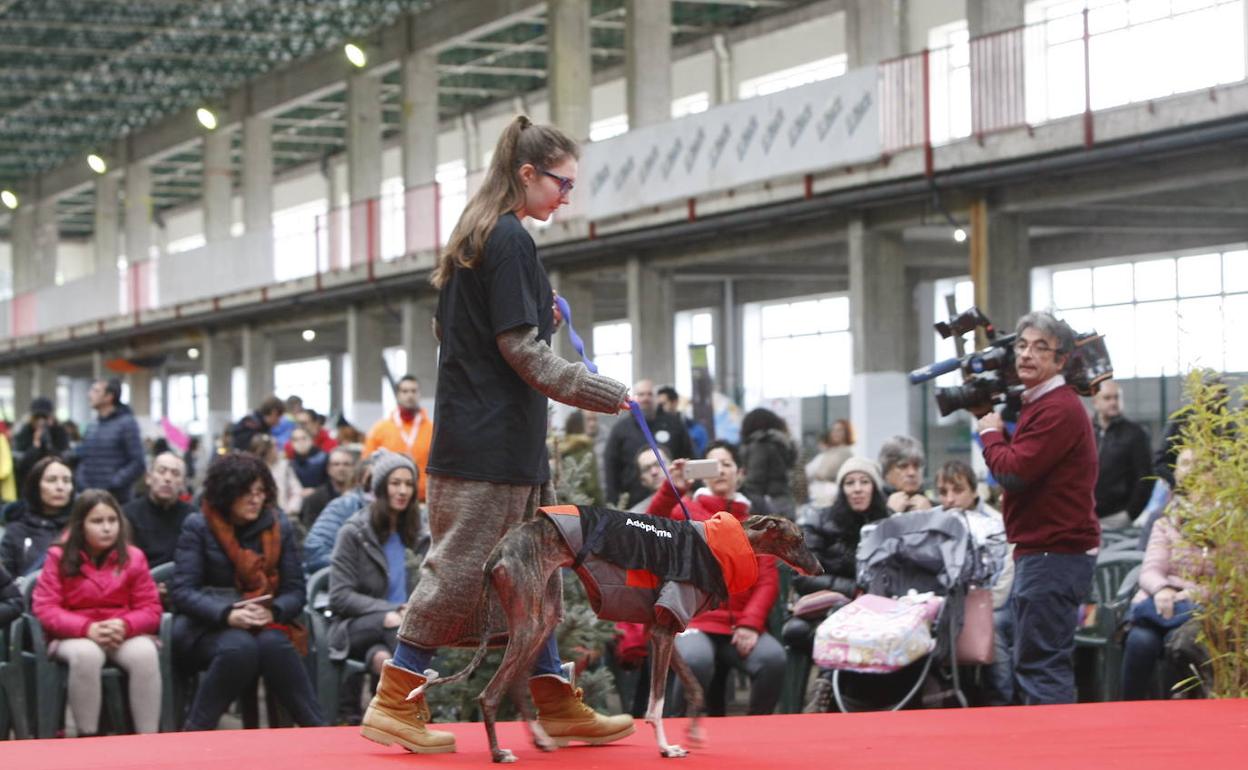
[[97, 601]]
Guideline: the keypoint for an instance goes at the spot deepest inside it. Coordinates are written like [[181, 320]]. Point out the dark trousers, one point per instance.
[[711, 654], [1140, 657], [232, 659], [1048, 589]]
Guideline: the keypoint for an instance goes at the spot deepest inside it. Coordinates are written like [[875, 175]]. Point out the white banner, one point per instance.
[[801, 130]]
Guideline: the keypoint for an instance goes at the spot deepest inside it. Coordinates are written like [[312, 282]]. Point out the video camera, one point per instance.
[[989, 374]]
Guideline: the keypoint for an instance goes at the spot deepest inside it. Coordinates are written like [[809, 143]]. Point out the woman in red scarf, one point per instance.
[[239, 592]]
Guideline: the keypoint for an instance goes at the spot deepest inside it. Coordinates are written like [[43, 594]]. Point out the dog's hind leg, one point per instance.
[[520, 598], [663, 643]]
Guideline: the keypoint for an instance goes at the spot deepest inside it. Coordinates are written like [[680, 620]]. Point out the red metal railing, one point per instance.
[[997, 82]]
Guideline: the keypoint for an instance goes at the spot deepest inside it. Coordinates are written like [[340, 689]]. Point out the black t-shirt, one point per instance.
[[488, 423]]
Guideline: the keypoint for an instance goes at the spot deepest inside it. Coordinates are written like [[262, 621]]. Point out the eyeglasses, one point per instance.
[[565, 184], [1037, 348]]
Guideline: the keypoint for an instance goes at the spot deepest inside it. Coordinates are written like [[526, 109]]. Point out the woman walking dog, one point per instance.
[[488, 469]]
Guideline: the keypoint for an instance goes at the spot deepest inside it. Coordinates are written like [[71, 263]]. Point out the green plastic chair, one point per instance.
[[1111, 597], [47, 679], [329, 675]]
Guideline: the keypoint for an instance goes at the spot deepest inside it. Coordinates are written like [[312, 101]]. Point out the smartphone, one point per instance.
[[701, 469], [265, 599]]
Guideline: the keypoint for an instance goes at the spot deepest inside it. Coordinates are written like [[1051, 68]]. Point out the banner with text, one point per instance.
[[797, 131]]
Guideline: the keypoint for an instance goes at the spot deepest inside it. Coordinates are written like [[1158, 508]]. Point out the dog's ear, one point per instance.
[[759, 522]]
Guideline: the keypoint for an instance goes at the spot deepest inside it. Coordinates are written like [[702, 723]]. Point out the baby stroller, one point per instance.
[[920, 552]]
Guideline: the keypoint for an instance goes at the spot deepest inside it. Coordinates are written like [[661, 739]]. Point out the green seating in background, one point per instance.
[[1113, 583]]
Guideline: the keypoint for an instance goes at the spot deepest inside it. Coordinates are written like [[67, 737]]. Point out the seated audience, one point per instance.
[[32, 523], [901, 462], [376, 565], [156, 517], [957, 485], [769, 453], [836, 446], [96, 601], [832, 535], [1168, 592], [39, 437], [734, 635], [318, 548], [339, 471], [289, 490], [239, 592], [308, 460]]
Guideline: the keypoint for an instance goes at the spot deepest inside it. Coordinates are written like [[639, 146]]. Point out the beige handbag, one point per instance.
[[975, 640]]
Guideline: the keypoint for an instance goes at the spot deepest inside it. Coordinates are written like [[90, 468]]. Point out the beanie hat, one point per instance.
[[860, 465], [41, 405], [386, 462]]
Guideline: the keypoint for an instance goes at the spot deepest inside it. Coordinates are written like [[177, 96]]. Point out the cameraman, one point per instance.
[[1048, 470]]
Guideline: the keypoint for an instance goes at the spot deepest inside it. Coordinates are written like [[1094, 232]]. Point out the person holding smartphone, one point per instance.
[[239, 591]]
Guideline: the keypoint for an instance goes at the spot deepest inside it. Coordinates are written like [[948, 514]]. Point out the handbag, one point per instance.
[[1145, 614], [817, 603], [975, 640]]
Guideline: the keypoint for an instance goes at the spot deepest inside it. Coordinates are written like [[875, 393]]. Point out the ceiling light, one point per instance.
[[8, 198], [959, 235], [192, 353], [97, 163], [206, 117], [309, 335], [355, 55]]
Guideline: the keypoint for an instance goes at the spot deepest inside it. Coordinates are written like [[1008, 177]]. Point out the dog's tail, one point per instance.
[[431, 677]]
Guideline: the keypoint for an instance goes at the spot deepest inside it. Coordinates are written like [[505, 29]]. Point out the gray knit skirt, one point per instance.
[[466, 520]]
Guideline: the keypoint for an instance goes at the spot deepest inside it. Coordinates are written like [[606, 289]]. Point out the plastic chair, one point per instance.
[[1111, 597], [47, 680], [330, 675]]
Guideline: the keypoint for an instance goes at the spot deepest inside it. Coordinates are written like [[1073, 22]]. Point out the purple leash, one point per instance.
[[579, 345]]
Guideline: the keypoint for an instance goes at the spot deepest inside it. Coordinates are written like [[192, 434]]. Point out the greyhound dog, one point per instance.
[[520, 570]]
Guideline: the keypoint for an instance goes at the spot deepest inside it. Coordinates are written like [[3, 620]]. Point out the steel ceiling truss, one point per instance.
[[75, 75]]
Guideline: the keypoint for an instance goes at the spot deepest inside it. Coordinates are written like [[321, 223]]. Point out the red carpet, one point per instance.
[[1185, 735]]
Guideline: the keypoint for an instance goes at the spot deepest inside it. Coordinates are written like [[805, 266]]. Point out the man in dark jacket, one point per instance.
[[111, 455], [261, 421], [340, 469], [1125, 459], [156, 518], [626, 440], [39, 437]]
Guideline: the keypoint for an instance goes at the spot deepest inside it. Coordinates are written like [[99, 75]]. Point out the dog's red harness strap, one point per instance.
[[565, 510], [641, 578]]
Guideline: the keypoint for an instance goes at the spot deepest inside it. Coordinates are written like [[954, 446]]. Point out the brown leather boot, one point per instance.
[[566, 718], [391, 718]]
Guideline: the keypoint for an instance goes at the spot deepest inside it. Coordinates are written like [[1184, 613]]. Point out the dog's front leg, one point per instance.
[[660, 657]]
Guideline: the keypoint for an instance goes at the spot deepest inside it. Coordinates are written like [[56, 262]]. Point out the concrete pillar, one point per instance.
[[257, 353], [219, 355], [218, 186], [728, 343], [23, 391], [367, 367], [879, 306], [43, 380], [875, 30], [335, 386], [651, 312], [47, 241], [141, 399], [163, 374], [97, 366], [648, 62], [418, 119], [138, 212], [472, 142], [107, 210], [984, 17], [25, 256], [580, 296], [257, 174], [725, 90], [1000, 264], [420, 344], [570, 73], [364, 164]]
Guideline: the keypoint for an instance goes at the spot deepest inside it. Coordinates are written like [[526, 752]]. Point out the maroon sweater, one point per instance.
[[1048, 471]]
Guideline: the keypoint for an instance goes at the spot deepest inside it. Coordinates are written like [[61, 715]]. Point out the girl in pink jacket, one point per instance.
[[97, 601]]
